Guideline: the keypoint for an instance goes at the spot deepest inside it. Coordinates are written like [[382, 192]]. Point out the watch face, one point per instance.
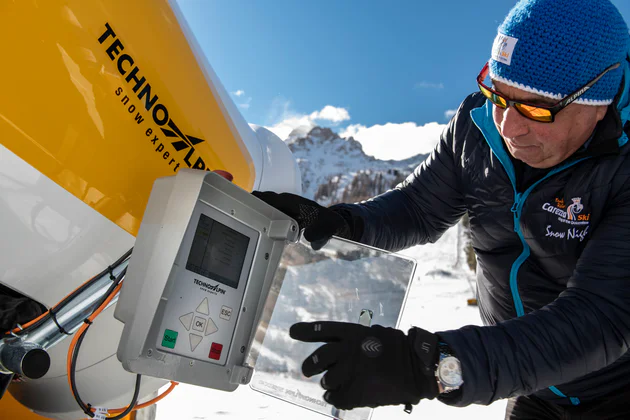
[[450, 371]]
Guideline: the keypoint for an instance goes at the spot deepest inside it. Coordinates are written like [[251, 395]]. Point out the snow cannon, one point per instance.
[[100, 100]]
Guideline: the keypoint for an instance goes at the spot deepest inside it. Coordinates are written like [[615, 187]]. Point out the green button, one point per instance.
[[170, 338]]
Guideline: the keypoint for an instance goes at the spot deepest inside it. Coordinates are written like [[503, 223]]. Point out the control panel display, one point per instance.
[[202, 266], [201, 312], [217, 252]]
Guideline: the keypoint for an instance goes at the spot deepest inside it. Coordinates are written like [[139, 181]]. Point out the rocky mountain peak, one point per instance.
[[336, 169]]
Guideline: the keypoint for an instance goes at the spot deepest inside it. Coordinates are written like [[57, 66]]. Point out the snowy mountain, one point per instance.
[[336, 170]]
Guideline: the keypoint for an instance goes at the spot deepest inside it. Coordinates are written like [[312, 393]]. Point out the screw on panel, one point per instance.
[[192, 362], [243, 349], [266, 255], [265, 229], [149, 352], [232, 212], [244, 380], [244, 309]]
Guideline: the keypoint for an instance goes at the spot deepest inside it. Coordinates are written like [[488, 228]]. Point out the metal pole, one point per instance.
[[25, 353]]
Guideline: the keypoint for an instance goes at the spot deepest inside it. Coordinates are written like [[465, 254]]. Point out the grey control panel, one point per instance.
[[198, 278]]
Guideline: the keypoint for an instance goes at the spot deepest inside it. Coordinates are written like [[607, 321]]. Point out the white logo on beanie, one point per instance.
[[503, 48]]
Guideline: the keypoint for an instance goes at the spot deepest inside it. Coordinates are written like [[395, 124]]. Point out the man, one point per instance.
[[539, 161]]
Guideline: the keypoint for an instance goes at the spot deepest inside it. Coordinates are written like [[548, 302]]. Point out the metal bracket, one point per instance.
[[283, 229], [241, 375]]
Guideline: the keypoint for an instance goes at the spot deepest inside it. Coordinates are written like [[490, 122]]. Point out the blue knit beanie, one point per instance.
[[554, 47]]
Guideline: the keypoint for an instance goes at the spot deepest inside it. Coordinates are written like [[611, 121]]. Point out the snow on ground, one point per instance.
[[436, 302]]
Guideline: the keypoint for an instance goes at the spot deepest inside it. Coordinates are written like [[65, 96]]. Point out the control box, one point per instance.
[[199, 275]]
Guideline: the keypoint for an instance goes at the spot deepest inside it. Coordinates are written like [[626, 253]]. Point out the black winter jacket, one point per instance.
[[553, 252]]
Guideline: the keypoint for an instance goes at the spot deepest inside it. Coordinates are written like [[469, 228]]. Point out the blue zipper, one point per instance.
[[519, 200], [493, 139]]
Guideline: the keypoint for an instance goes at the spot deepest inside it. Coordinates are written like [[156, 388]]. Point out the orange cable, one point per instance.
[[81, 332], [148, 403], [29, 323], [32, 321], [76, 336]]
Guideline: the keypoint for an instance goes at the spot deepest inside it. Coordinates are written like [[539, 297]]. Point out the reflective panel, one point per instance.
[[344, 281]]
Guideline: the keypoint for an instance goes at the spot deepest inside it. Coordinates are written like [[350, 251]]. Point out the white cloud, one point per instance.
[[290, 120], [243, 105], [429, 85], [388, 141], [284, 127], [450, 113], [246, 104], [395, 141], [331, 113]]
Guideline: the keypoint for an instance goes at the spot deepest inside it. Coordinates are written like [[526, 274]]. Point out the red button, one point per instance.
[[215, 351]]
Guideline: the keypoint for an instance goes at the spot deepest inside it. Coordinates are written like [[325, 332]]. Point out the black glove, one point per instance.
[[370, 366], [319, 223]]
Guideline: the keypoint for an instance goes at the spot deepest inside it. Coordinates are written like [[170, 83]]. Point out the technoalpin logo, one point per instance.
[[187, 141], [126, 65]]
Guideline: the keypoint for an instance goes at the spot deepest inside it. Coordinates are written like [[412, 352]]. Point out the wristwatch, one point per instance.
[[449, 369]]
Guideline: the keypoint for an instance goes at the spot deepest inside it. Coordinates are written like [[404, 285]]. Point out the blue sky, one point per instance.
[[375, 70]]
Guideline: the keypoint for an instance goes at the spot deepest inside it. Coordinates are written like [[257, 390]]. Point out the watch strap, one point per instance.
[[425, 348], [445, 350]]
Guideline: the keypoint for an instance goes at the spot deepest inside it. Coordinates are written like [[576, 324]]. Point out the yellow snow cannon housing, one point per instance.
[[105, 97], [99, 99]]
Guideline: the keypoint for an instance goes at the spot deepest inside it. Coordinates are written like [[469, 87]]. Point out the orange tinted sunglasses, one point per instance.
[[533, 112]]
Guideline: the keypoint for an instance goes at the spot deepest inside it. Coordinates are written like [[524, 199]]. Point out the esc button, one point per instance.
[[226, 313]]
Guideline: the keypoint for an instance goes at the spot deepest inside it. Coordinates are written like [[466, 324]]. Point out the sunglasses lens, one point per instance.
[[534, 113], [495, 99]]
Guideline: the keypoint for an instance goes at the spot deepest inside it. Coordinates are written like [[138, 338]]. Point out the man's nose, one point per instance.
[[514, 124]]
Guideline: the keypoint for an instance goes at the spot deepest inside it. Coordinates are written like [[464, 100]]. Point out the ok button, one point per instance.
[[199, 323]]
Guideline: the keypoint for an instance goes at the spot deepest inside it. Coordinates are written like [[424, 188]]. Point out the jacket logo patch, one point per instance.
[[572, 215], [574, 209]]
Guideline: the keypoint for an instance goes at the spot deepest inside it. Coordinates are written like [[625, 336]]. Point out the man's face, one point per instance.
[[543, 145]]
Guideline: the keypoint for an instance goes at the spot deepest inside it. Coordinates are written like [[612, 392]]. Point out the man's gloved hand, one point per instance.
[[370, 366], [319, 223]]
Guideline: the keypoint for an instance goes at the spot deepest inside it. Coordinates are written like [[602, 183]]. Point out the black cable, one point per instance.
[[53, 316], [111, 272], [73, 359], [134, 400], [95, 278], [73, 384], [86, 408], [75, 353], [111, 288], [60, 305]]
